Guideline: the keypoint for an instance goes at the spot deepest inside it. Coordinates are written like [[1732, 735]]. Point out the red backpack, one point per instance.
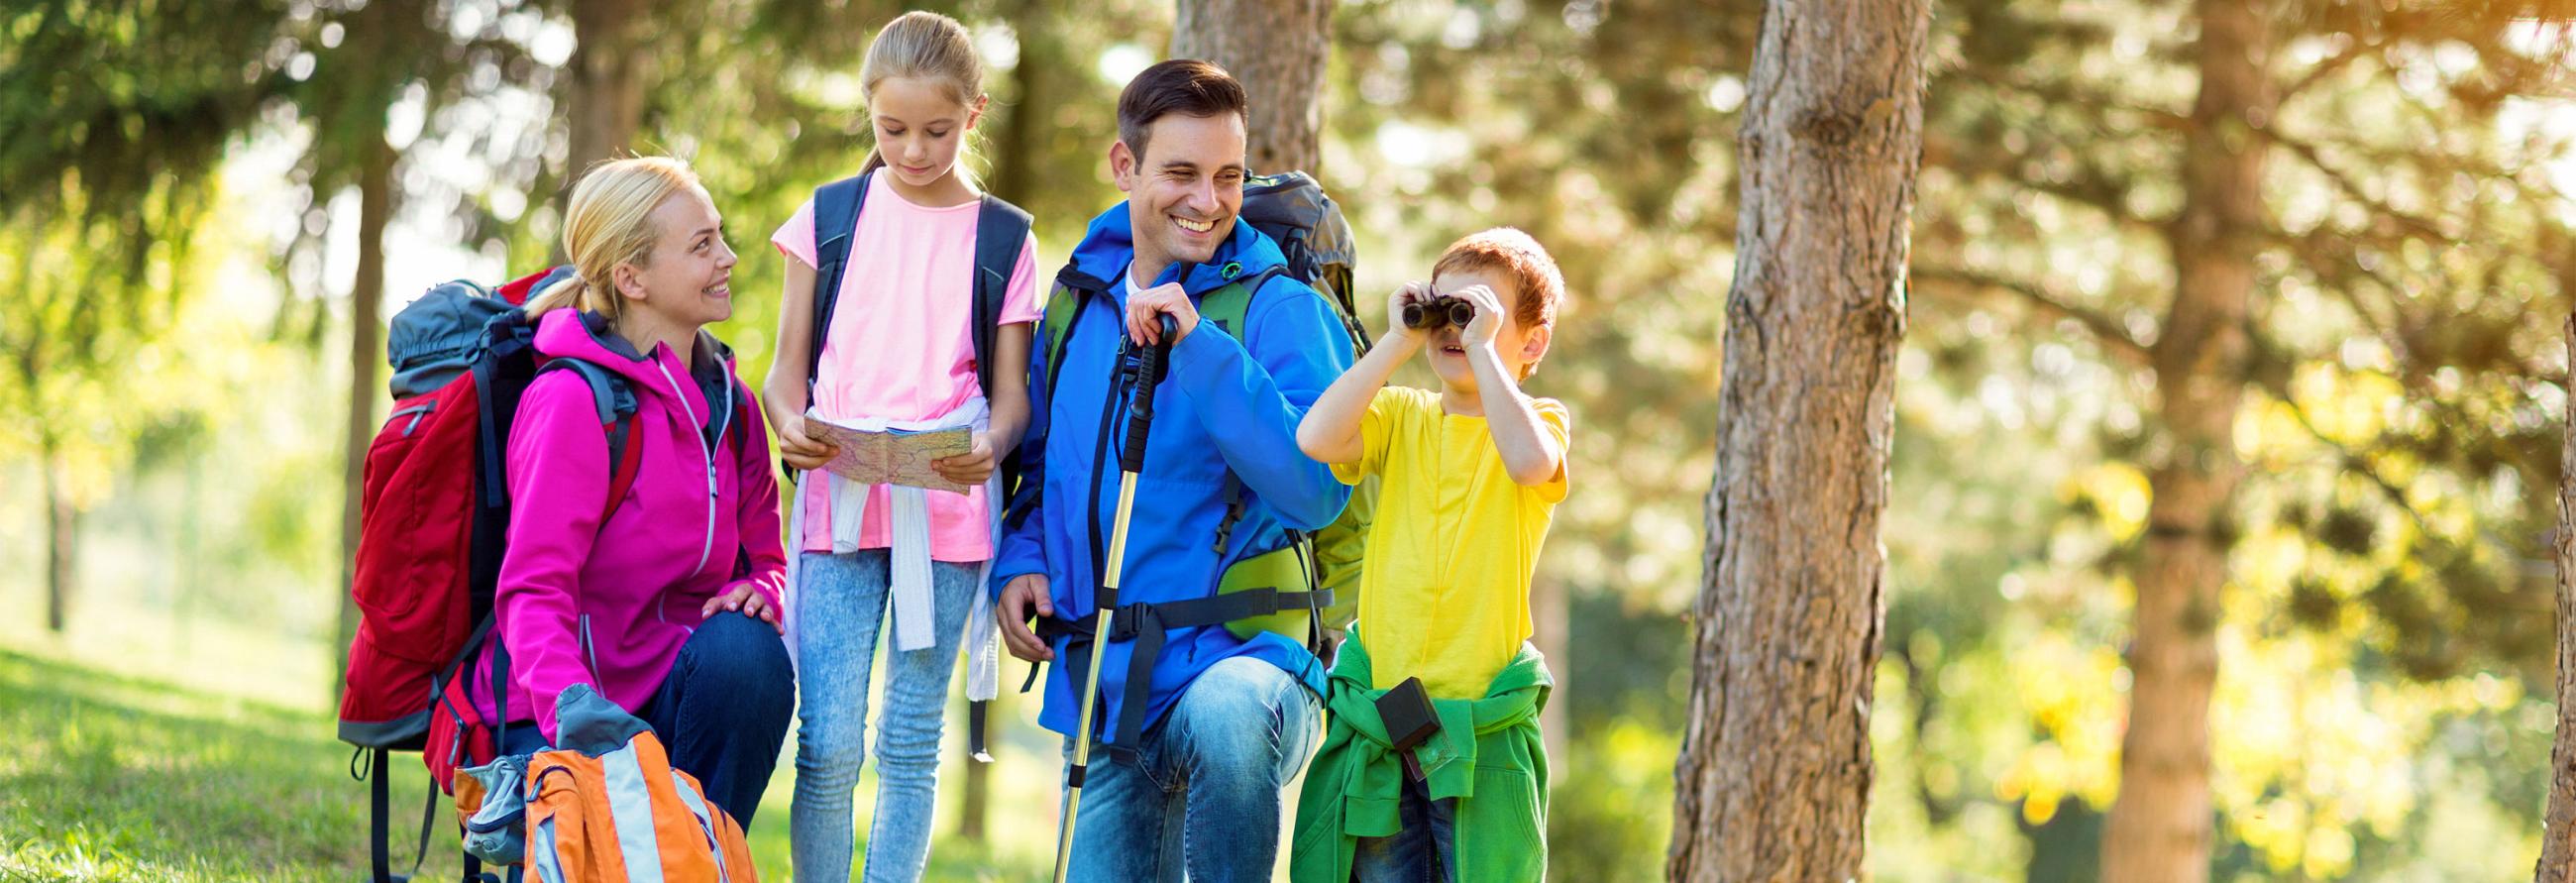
[[433, 516]]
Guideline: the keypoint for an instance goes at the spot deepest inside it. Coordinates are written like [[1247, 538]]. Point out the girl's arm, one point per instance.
[[783, 393], [1010, 388]]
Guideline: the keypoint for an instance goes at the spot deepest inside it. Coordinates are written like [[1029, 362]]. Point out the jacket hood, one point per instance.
[[1110, 244], [585, 335]]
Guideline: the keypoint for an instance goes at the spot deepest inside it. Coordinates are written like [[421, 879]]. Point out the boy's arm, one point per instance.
[[1530, 455], [1331, 431]]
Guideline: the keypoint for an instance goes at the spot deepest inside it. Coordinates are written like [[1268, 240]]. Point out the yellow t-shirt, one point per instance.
[[1444, 592]]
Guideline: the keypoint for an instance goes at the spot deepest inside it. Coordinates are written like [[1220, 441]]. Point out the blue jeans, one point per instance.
[[845, 609], [721, 713], [1426, 842], [1203, 790]]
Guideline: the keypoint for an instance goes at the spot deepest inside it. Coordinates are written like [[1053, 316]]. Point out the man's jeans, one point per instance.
[[845, 599], [1204, 790]]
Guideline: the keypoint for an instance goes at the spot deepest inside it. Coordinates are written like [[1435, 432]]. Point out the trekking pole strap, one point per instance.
[[1149, 624]]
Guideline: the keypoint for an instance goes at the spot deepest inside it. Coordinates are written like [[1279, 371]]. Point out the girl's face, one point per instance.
[[688, 283], [920, 128]]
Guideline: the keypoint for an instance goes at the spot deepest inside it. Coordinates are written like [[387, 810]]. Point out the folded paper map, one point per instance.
[[890, 457]]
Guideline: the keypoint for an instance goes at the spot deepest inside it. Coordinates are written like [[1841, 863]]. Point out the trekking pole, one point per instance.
[[1131, 460]]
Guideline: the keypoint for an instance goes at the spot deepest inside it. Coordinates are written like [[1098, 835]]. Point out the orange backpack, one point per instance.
[[607, 806]]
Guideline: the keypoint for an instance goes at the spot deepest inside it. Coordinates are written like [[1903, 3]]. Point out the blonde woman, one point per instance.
[[665, 601]]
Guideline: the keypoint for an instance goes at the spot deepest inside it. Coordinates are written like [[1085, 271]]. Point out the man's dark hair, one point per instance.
[[1186, 86]]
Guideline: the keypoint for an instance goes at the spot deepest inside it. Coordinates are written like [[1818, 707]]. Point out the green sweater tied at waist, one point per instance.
[[1487, 755]]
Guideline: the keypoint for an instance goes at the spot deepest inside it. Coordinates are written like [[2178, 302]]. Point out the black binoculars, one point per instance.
[[1438, 311]]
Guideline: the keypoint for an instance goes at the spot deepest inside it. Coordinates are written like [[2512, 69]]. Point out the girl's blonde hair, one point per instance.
[[609, 221], [926, 46]]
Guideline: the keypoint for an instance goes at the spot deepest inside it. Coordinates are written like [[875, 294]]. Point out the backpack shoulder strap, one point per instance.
[[1000, 230], [1229, 306], [836, 221], [1074, 290], [616, 403]]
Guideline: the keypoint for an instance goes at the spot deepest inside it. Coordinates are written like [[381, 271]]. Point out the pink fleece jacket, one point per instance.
[[609, 605]]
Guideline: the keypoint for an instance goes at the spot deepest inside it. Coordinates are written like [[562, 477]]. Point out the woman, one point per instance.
[[665, 601]]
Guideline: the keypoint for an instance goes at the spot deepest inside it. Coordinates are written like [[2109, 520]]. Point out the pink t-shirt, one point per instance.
[[901, 347]]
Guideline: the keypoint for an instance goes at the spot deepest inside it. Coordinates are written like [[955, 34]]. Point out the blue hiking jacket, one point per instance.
[[1227, 404]]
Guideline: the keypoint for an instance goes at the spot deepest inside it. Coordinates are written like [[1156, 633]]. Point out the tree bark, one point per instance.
[[1277, 48], [2557, 848], [609, 73], [62, 536], [2160, 826], [1016, 156], [1773, 781], [366, 351]]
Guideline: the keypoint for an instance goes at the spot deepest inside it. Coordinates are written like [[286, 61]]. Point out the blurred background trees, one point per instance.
[[2226, 422]]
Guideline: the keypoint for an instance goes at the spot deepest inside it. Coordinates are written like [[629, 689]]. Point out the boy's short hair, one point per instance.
[[1515, 254], [1186, 86]]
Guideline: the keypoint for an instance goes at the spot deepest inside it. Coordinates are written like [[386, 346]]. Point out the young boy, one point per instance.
[[1471, 475]]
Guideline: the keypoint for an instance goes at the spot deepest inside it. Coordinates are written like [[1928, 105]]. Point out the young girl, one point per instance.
[[899, 352]]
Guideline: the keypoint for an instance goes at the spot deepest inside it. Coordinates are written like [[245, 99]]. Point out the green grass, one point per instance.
[[116, 777]]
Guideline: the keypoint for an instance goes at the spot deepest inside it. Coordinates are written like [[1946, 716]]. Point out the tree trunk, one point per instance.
[[1016, 155], [605, 87], [2159, 827], [366, 351], [2557, 848], [1277, 48], [1773, 781], [62, 536]]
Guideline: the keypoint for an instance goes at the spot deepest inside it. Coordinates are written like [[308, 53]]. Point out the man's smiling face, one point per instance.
[[1184, 188]]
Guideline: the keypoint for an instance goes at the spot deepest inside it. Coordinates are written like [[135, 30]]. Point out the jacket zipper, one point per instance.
[[708, 545]]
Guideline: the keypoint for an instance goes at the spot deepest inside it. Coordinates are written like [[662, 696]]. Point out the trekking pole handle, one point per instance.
[[1154, 359]]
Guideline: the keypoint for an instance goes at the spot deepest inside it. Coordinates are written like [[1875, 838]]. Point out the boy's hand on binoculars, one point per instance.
[[1396, 330], [1489, 316], [1165, 298]]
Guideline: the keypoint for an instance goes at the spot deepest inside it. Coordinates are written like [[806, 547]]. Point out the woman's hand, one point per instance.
[[970, 468], [794, 446], [746, 599]]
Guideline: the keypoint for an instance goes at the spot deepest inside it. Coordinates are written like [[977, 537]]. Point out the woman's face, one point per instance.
[[689, 280]]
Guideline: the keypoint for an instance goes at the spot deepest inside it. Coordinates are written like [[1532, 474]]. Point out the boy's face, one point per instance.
[[1516, 346], [1182, 193]]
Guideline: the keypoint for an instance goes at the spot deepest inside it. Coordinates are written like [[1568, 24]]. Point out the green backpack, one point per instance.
[[1293, 211]]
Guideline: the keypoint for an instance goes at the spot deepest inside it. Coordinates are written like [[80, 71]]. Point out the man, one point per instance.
[[1199, 725]]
